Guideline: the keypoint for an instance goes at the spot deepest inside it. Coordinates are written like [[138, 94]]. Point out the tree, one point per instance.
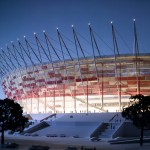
[[138, 111], [11, 117]]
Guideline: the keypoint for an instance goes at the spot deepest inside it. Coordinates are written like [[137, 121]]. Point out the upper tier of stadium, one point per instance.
[[45, 49]]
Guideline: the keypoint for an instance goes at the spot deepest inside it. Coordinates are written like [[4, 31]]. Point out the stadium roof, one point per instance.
[[27, 52]]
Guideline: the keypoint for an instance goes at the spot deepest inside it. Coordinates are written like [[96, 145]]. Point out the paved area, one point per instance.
[[58, 143]]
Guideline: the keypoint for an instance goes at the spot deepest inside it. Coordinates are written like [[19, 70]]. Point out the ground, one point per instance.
[[62, 143]]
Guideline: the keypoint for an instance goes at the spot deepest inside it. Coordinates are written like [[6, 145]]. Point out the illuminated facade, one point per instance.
[[87, 85], [45, 78]]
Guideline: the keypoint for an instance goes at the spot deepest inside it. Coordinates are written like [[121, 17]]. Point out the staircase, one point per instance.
[[105, 130], [109, 130], [37, 127], [100, 129]]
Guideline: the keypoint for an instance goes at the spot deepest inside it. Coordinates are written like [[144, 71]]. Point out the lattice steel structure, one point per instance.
[[44, 79]]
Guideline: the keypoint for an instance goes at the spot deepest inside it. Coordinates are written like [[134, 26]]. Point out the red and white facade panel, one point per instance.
[[87, 85]]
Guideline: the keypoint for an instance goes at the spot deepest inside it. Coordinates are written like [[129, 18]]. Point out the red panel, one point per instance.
[[44, 67], [92, 79], [84, 69], [78, 80], [59, 82], [132, 82], [124, 86], [29, 92], [36, 71], [40, 80], [121, 78], [131, 78], [62, 67], [28, 79], [54, 82], [142, 78], [68, 78], [51, 82], [32, 84], [145, 83], [64, 78], [145, 90], [51, 74]]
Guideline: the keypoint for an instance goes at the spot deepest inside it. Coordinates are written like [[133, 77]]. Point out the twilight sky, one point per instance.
[[24, 17]]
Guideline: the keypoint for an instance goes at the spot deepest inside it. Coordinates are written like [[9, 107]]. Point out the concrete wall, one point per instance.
[[127, 129]]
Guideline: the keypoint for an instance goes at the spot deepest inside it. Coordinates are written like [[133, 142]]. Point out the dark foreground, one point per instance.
[[25, 142]]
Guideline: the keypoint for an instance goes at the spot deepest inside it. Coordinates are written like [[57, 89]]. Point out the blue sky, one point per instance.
[[24, 17]]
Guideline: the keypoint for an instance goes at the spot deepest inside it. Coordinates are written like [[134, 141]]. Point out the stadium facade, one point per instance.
[[72, 85]]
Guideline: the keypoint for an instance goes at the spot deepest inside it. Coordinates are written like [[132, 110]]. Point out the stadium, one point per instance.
[[43, 78], [72, 91]]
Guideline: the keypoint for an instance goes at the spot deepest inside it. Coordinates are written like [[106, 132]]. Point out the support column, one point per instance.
[[102, 102], [87, 97], [64, 105], [45, 102], [38, 103], [119, 87], [54, 101], [75, 107], [31, 105]]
